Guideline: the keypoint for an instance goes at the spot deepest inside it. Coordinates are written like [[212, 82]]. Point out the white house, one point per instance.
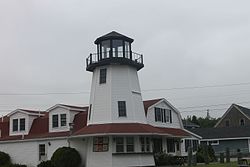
[[118, 128]]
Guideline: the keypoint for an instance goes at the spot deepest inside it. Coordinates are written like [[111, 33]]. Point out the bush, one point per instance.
[[4, 159], [46, 164], [166, 159], [205, 152], [66, 157]]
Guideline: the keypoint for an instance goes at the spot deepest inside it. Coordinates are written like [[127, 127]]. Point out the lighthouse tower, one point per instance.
[[115, 91]]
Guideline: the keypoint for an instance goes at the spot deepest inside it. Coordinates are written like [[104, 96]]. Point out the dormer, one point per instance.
[[161, 113], [20, 121], [61, 116]]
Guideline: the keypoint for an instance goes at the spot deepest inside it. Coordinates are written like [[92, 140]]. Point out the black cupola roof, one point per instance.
[[114, 48], [113, 35]]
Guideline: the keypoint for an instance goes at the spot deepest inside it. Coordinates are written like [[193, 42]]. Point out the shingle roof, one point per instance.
[[244, 109], [40, 126], [148, 103], [225, 132], [130, 128]]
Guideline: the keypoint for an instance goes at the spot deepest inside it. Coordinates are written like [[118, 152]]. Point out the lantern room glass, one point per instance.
[[117, 47], [105, 49], [127, 49]]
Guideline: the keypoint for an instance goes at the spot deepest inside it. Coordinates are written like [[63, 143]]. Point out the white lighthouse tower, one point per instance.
[[115, 91]]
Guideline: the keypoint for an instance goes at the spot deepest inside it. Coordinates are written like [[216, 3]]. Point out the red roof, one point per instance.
[[130, 128], [40, 126], [148, 103]]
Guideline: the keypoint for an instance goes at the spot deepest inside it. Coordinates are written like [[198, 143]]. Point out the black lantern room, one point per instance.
[[114, 48]]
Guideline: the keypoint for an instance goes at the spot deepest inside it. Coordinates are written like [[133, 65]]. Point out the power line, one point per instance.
[[199, 87], [213, 105], [214, 109], [42, 94], [144, 90]]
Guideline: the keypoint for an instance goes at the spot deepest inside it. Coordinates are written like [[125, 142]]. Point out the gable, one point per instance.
[[174, 115], [232, 118]]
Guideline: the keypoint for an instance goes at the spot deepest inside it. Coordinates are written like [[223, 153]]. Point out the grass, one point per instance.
[[232, 164]]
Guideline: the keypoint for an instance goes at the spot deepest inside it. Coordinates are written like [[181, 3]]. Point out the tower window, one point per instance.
[[122, 108], [103, 75]]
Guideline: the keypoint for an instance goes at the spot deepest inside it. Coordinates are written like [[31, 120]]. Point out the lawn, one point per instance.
[[232, 164]]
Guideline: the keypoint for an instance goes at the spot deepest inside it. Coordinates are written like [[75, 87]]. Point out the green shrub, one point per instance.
[[205, 152], [166, 159], [66, 157], [4, 159], [46, 164]]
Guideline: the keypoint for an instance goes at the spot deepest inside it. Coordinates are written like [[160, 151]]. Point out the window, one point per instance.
[[105, 48], [195, 145], [55, 121], [119, 144], [188, 144], [242, 122], [117, 46], [130, 144], [101, 144], [145, 144], [15, 125], [42, 152], [170, 145], [122, 108], [124, 144], [22, 124], [163, 115], [63, 120], [214, 142], [227, 123], [90, 111], [103, 75]]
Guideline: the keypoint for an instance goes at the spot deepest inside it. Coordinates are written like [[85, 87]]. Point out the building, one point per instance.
[[116, 129], [231, 131]]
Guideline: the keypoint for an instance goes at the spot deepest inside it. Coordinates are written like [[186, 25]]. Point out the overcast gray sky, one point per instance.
[[186, 44]]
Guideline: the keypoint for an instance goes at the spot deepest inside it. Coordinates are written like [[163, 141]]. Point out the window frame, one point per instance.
[[22, 123], [63, 121], [101, 144], [40, 154], [15, 126], [119, 147], [188, 143], [122, 109], [145, 144], [55, 122], [124, 146], [171, 146], [163, 115], [103, 76], [130, 143]]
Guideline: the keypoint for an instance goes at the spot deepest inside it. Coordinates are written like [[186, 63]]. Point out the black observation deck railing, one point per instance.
[[115, 57]]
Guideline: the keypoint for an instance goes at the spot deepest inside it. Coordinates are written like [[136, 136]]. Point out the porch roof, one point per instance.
[[130, 128]]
